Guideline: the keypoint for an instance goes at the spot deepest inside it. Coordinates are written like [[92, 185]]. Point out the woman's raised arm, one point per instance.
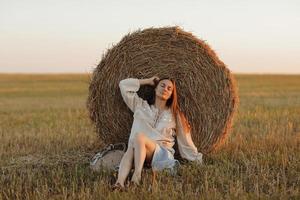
[[129, 88]]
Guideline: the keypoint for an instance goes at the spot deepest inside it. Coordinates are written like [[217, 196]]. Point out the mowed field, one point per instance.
[[46, 141]]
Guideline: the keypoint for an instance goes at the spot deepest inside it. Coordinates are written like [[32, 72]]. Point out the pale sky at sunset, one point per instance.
[[250, 36]]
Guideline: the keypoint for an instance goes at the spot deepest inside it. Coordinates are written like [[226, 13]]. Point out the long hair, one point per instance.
[[172, 103]]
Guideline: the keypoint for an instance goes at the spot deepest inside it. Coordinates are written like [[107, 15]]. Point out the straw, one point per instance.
[[206, 88]]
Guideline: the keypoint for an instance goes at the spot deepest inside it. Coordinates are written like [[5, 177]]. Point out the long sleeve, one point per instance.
[[129, 88], [186, 146]]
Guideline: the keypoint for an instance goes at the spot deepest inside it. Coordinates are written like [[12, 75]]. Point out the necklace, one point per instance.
[[159, 110]]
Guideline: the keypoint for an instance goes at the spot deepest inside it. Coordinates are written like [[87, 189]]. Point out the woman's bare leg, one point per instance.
[[125, 166], [144, 148]]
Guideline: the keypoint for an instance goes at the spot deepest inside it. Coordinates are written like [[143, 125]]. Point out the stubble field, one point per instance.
[[47, 140]]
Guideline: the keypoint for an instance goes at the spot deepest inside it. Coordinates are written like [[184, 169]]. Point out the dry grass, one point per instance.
[[47, 140]]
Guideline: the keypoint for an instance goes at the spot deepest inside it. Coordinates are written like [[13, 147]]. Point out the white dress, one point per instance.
[[160, 128]]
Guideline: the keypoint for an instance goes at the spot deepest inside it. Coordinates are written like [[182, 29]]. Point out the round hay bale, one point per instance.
[[206, 89]]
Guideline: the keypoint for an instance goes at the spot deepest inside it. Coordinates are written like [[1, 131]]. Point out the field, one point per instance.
[[47, 140]]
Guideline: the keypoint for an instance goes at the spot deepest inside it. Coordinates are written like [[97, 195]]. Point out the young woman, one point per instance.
[[154, 128]]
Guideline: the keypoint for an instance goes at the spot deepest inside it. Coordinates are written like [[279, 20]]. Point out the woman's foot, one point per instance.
[[118, 186], [136, 179]]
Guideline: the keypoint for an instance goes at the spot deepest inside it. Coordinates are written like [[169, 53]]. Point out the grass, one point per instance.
[[47, 141]]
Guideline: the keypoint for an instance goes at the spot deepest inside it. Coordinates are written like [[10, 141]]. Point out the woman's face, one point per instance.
[[164, 89]]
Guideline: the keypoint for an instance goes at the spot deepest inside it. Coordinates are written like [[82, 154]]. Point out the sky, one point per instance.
[[70, 36]]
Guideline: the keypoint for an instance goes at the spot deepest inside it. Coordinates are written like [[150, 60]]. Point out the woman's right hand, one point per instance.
[[152, 80]]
